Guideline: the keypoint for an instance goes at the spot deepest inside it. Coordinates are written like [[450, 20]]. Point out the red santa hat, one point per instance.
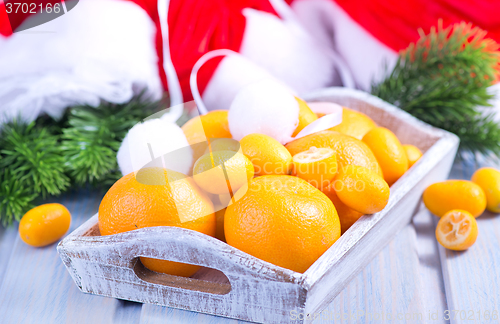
[[369, 33], [270, 43], [88, 54], [112, 49]]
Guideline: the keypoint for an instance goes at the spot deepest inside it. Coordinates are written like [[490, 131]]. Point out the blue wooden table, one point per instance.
[[413, 280]]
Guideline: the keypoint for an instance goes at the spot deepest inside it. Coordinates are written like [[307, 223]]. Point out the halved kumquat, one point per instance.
[[457, 230], [318, 166]]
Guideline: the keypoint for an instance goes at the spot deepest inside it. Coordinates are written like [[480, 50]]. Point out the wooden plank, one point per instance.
[[37, 288], [152, 314], [431, 276], [127, 312], [389, 287], [472, 277], [7, 240]]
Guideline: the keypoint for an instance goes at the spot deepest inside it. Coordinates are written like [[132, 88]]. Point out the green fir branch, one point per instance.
[[16, 198], [40, 158], [93, 136], [482, 128], [443, 78], [31, 166], [33, 156]]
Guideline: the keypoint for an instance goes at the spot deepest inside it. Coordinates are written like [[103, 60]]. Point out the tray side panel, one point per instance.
[[384, 114], [250, 300], [107, 266]]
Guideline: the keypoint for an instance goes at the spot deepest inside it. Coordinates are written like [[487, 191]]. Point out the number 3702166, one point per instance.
[[455, 314], [32, 8]]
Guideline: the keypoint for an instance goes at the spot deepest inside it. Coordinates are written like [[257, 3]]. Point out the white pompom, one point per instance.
[[264, 107], [158, 140]]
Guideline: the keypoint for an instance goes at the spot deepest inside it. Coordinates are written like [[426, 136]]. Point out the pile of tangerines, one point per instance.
[[285, 204]]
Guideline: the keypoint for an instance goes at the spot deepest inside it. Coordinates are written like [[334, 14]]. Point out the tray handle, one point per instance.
[[171, 244]]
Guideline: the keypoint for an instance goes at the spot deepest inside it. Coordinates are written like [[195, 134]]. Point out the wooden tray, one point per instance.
[[237, 285]]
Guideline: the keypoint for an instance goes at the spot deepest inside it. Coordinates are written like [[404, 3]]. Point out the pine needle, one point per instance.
[[31, 166], [40, 159], [443, 78], [16, 199], [93, 136], [33, 156]]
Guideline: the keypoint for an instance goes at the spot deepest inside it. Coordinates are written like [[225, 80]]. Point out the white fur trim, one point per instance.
[[286, 52], [233, 73], [155, 142], [264, 107], [92, 53], [332, 26], [286, 13]]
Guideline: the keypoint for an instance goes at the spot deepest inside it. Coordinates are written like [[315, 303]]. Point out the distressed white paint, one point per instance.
[[260, 291], [472, 277]]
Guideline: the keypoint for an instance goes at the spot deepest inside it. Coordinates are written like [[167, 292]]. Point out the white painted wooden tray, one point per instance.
[[237, 285]]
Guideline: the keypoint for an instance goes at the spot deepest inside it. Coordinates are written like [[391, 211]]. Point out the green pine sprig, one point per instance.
[[31, 166], [16, 198], [483, 129], [48, 157], [443, 78], [93, 136], [33, 156]]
